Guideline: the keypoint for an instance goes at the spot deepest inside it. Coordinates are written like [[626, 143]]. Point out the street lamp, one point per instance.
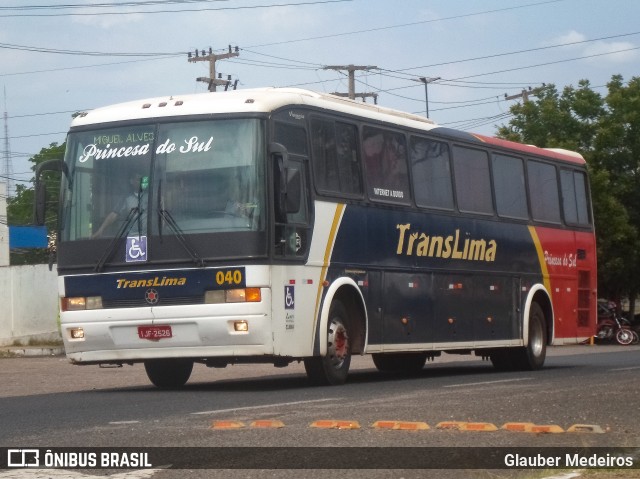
[[426, 81]]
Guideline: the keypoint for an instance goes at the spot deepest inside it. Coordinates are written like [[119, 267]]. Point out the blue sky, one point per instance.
[[54, 63]]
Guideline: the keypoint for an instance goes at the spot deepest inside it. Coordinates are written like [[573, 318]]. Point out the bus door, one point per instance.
[[293, 295], [290, 160]]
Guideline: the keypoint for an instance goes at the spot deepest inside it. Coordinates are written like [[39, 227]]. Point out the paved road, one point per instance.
[[47, 402]]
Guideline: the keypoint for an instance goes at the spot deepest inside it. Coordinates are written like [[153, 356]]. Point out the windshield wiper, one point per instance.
[[166, 216], [134, 213]]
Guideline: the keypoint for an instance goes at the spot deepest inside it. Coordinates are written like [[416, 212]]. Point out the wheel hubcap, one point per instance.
[[535, 341], [338, 344]]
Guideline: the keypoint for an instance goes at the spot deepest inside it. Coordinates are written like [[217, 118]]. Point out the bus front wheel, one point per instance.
[[168, 373], [332, 369]]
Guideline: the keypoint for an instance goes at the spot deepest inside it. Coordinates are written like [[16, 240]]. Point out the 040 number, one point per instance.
[[231, 277]]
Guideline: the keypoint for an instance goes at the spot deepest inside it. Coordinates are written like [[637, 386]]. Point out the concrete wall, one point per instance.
[[28, 304]]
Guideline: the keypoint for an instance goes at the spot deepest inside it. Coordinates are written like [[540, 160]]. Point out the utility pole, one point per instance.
[[426, 82], [8, 164], [524, 94], [351, 69], [212, 58]]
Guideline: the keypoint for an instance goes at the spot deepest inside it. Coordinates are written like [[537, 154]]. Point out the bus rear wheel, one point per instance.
[[333, 368], [168, 373], [531, 356]]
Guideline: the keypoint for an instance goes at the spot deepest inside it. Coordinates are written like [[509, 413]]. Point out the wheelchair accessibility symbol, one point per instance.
[[136, 249], [289, 297]]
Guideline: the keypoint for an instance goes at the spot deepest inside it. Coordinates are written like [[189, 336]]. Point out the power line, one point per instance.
[[12, 46], [517, 52], [434, 20], [184, 10], [105, 5], [82, 67], [546, 63]]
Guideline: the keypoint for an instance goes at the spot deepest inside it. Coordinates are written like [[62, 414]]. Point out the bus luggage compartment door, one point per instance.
[[474, 308]]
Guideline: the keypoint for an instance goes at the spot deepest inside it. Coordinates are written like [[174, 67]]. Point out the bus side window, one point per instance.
[[574, 197], [543, 191], [385, 158], [473, 181], [508, 180], [294, 138], [431, 173], [335, 157]]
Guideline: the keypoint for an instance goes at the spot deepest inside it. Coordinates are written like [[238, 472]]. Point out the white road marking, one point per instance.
[[293, 403], [124, 422], [487, 382]]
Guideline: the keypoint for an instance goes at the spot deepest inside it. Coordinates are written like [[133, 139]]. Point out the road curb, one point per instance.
[[31, 351]]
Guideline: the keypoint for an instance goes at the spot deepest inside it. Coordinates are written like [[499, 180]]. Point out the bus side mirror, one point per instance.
[[40, 205]]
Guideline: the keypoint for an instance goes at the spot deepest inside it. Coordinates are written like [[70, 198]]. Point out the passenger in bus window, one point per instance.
[[124, 207], [373, 146], [395, 160], [237, 204]]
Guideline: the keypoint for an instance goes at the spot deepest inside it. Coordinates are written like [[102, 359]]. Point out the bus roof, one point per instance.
[[260, 100], [556, 153], [265, 100]]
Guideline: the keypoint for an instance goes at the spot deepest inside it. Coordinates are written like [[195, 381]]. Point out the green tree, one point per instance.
[[20, 207], [606, 131]]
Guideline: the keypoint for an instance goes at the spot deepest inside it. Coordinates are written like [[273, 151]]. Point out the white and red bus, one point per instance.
[[279, 225]]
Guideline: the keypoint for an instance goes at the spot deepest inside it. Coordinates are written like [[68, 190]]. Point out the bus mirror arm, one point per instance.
[[40, 204]]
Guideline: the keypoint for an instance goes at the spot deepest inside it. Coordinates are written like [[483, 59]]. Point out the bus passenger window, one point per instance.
[[431, 173], [508, 180], [473, 182], [385, 157], [543, 191], [292, 137], [574, 197], [335, 157]]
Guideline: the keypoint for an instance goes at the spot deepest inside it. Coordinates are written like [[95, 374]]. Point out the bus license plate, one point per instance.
[[154, 332]]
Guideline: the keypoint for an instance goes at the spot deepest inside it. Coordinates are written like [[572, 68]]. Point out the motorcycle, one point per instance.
[[611, 326]]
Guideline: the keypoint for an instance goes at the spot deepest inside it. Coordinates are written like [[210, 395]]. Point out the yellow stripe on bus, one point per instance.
[[327, 256], [541, 260]]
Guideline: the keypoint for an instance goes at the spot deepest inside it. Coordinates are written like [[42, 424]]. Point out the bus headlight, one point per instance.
[[241, 295], [245, 295], [81, 303]]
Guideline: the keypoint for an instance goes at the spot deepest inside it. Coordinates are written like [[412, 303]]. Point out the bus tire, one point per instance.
[[399, 362], [532, 356], [168, 373], [333, 368], [529, 357]]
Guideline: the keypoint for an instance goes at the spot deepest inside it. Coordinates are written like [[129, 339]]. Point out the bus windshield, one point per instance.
[[163, 179]]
